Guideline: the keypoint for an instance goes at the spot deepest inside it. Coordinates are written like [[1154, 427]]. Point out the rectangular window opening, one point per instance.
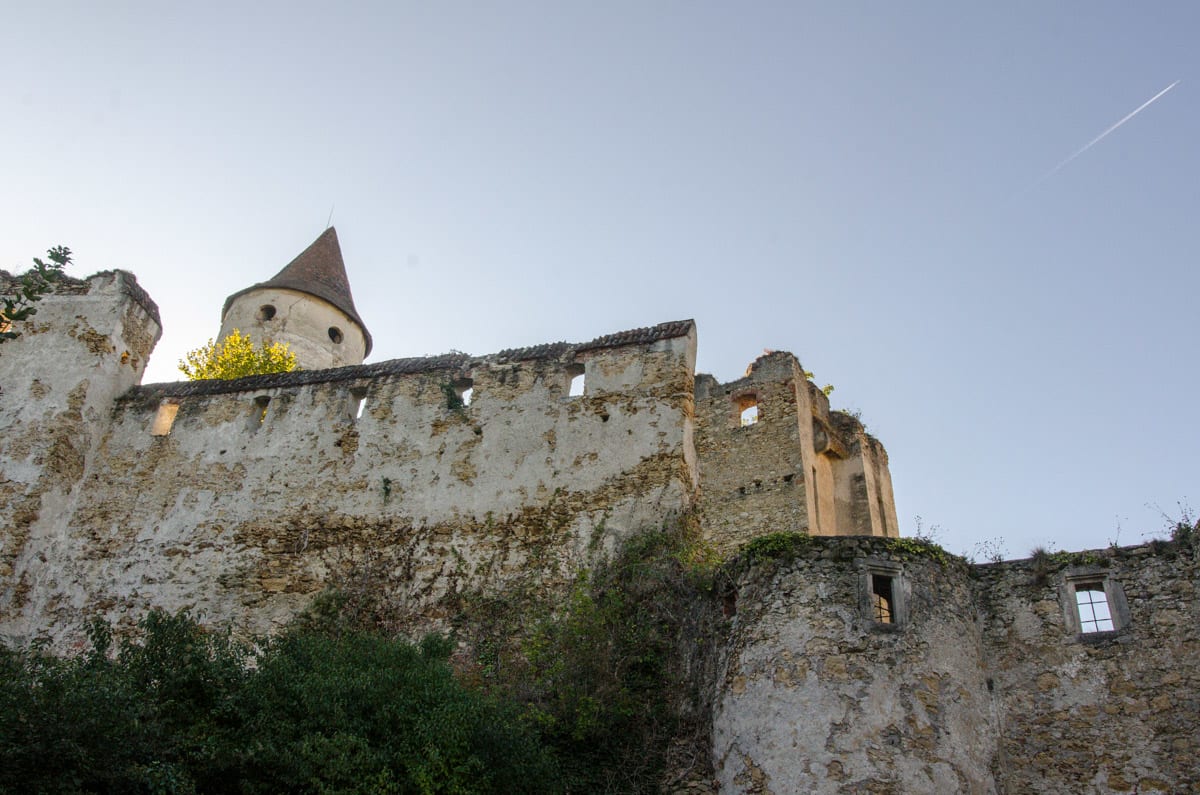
[[358, 402], [258, 412], [1092, 604], [578, 383], [164, 419], [883, 603], [747, 408]]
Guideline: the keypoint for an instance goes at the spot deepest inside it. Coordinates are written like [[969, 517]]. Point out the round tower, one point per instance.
[[307, 306]]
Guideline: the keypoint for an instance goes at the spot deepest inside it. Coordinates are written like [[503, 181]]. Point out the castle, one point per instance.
[[867, 664]]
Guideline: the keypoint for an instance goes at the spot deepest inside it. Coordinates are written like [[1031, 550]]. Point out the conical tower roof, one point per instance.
[[319, 271]]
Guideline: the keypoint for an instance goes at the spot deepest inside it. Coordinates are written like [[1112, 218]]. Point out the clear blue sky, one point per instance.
[[863, 184]]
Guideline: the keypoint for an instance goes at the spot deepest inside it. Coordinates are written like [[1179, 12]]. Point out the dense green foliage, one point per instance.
[[236, 356], [612, 677], [29, 289], [183, 710]]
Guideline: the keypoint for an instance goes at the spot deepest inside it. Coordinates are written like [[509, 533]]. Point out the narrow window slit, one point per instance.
[[883, 602], [577, 384], [358, 402], [459, 394], [164, 419], [258, 412]]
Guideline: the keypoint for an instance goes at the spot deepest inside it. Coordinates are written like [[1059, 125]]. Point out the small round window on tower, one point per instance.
[[335, 334], [266, 312]]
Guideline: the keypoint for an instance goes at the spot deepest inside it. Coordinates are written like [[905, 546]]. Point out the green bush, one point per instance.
[[182, 710]]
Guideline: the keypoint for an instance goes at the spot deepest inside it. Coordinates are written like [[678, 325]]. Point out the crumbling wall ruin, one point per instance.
[[774, 458]]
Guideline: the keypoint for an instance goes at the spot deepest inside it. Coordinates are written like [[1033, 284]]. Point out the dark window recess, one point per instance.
[[335, 334], [266, 312], [258, 412], [883, 603]]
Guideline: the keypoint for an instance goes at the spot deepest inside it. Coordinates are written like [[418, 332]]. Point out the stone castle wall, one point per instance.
[[241, 500], [427, 479], [59, 380], [1096, 712], [986, 684]]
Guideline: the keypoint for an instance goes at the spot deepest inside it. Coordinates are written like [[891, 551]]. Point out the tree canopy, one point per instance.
[[236, 356]]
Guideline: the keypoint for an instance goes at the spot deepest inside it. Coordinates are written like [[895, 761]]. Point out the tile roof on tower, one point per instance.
[[318, 271]]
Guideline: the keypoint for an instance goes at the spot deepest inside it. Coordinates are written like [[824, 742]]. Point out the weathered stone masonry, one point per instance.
[[986, 683], [240, 500]]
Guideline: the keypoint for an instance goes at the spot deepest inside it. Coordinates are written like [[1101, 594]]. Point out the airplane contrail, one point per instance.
[[1106, 133]]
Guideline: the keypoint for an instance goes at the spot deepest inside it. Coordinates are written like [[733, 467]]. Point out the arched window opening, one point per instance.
[[747, 408]]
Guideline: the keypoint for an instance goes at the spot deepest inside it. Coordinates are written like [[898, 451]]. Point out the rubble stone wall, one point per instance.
[[1102, 712], [986, 683], [799, 467]]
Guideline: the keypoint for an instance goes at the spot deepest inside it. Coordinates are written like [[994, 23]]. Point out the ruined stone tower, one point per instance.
[[307, 306]]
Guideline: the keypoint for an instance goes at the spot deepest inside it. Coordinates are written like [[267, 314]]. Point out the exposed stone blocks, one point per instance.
[[985, 685], [797, 468], [1106, 712]]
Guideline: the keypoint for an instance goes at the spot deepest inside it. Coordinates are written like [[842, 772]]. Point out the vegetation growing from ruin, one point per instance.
[[182, 710], [826, 390], [609, 677], [236, 356], [919, 547], [29, 289], [777, 546]]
